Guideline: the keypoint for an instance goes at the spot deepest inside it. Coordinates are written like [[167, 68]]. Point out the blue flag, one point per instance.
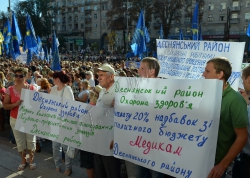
[[181, 34], [147, 37], [39, 45], [29, 56], [55, 55], [138, 42], [161, 33], [7, 32], [16, 37], [195, 22], [24, 44], [30, 34], [248, 30]]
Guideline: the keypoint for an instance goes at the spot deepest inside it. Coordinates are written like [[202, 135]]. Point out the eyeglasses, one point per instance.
[[18, 76]]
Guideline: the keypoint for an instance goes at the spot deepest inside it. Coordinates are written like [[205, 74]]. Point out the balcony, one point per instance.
[[87, 19], [88, 28], [235, 20], [75, 29], [235, 8], [88, 2], [87, 11]]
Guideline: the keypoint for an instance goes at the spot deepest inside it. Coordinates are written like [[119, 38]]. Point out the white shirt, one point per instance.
[[65, 93], [106, 97]]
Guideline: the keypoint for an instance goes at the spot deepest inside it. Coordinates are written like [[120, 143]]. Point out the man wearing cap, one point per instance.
[[106, 166], [149, 68]]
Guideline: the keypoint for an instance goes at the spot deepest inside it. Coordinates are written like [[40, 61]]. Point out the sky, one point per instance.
[[5, 4]]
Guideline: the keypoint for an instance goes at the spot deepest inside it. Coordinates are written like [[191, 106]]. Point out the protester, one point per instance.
[[106, 166], [11, 102], [241, 168], [83, 96], [44, 86], [232, 135], [61, 89], [90, 78], [149, 68], [2, 119]]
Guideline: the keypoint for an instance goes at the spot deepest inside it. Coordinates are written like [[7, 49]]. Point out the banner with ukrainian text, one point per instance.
[[72, 123], [163, 124], [187, 59]]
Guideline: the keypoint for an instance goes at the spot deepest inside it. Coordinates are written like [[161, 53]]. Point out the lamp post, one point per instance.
[[127, 27]]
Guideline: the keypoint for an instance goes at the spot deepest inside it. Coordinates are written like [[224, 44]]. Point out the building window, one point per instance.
[[82, 9], [211, 7], [88, 7], [222, 18], [235, 3], [222, 6], [82, 17], [247, 16], [104, 7], [95, 16], [248, 4], [209, 18], [58, 4], [58, 12], [234, 16], [188, 19], [58, 19], [104, 25], [82, 25], [95, 8], [96, 25], [95, 33]]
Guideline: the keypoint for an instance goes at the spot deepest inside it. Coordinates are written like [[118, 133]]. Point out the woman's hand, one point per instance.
[[18, 102]]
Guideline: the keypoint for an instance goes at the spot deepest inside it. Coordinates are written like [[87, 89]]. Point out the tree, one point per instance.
[[167, 11], [39, 13]]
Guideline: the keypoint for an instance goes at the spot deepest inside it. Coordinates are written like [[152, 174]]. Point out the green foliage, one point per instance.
[[39, 14]]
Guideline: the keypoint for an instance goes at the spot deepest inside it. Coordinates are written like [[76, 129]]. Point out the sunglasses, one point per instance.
[[18, 76]]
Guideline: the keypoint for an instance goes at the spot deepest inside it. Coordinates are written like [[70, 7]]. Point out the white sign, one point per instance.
[[187, 59], [168, 125], [73, 123], [23, 57]]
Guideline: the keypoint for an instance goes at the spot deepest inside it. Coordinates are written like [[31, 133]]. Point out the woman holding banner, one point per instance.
[[12, 100], [61, 89]]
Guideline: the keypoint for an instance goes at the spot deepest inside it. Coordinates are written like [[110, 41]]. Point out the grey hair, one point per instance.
[[109, 73]]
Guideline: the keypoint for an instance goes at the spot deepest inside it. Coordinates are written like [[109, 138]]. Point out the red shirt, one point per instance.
[[14, 97]]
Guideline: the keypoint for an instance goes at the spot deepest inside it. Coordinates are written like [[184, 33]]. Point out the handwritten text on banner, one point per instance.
[[187, 59], [72, 123], [164, 124]]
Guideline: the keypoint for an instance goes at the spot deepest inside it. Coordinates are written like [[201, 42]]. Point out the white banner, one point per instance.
[[73, 123], [168, 125], [187, 59]]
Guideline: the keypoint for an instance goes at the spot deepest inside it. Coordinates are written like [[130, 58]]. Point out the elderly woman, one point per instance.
[[61, 89], [90, 78], [10, 79], [83, 96], [11, 102]]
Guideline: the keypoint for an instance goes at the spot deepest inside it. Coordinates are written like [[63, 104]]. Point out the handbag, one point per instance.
[[72, 152]]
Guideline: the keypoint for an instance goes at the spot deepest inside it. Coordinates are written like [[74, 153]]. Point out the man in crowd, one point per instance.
[[232, 135], [241, 168], [149, 68], [106, 166]]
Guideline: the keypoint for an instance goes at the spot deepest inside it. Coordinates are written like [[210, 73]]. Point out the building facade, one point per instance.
[[83, 22], [80, 22]]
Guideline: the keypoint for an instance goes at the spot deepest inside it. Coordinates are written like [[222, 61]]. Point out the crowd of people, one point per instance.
[[93, 82]]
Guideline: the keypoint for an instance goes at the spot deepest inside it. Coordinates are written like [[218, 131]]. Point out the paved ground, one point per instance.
[[10, 159]]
